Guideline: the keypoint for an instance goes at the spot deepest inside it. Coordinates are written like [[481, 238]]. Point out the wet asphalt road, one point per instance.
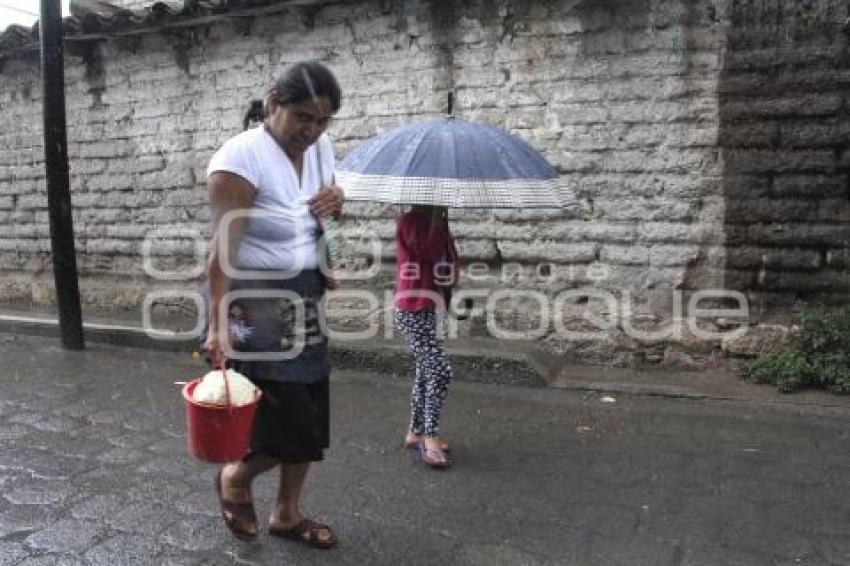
[[94, 470]]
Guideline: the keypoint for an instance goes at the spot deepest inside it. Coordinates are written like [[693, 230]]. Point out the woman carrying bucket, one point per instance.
[[258, 184]]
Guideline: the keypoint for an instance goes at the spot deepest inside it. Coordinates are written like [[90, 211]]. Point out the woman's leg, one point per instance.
[[417, 411], [236, 480], [287, 513], [439, 374], [407, 323], [417, 401], [420, 329]]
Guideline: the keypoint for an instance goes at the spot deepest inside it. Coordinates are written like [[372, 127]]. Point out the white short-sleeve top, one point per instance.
[[281, 233]]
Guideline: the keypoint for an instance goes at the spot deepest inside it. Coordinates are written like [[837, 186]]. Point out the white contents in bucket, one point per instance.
[[211, 390]]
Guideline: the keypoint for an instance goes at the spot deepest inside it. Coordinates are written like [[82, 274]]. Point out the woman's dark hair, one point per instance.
[[306, 80], [256, 113]]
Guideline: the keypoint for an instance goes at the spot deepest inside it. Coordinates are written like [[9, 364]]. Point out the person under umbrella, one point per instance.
[[432, 165], [426, 269]]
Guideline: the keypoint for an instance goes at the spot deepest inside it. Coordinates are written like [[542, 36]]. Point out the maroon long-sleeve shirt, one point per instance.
[[421, 246]]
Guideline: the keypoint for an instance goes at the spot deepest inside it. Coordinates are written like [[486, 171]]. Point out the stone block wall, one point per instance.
[[132, 4], [785, 144], [705, 138]]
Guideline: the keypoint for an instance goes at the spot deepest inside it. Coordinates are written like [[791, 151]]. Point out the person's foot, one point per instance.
[[304, 530], [237, 505], [431, 453], [411, 441]]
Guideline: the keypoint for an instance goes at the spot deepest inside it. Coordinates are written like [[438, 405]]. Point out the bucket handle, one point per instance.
[[220, 365]]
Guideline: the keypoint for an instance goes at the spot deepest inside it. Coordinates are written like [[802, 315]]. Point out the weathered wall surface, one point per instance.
[[706, 138], [132, 4], [784, 137]]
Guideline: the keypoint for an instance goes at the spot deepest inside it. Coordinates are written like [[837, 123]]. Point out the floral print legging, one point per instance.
[[433, 372]]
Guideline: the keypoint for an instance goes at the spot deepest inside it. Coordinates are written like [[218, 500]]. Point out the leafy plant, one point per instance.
[[824, 331], [819, 355]]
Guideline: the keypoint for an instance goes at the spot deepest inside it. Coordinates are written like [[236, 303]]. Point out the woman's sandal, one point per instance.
[[427, 456], [414, 444], [306, 531], [236, 514]]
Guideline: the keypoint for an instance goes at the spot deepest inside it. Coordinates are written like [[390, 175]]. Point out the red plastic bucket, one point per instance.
[[218, 433]]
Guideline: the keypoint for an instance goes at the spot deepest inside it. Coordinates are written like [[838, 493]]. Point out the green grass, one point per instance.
[[817, 357]]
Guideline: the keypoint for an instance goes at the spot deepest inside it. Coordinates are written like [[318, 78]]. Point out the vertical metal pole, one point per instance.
[[58, 185]]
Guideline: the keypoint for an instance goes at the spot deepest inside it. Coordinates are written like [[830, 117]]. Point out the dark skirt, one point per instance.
[[292, 423]]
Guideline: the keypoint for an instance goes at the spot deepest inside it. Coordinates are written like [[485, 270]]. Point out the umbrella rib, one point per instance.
[[495, 143], [534, 165], [422, 136], [504, 144], [453, 153], [385, 146]]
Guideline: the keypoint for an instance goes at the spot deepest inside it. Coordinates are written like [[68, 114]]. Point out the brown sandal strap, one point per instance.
[[307, 531]]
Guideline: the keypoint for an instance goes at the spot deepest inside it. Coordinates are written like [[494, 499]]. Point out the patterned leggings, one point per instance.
[[433, 372]]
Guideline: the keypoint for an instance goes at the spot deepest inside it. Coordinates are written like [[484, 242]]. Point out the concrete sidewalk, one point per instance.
[[480, 360], [94, 470]]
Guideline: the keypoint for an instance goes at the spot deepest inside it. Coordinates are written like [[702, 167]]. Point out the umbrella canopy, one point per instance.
[[451, 162]]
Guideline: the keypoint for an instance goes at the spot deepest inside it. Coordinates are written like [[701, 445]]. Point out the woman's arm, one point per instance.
[[227, 193]]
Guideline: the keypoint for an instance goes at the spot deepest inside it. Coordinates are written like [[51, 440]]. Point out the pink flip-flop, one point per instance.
[[425, 455], [414, 445]]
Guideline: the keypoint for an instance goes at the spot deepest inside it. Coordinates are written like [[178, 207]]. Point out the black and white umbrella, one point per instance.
[[454, 163]]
